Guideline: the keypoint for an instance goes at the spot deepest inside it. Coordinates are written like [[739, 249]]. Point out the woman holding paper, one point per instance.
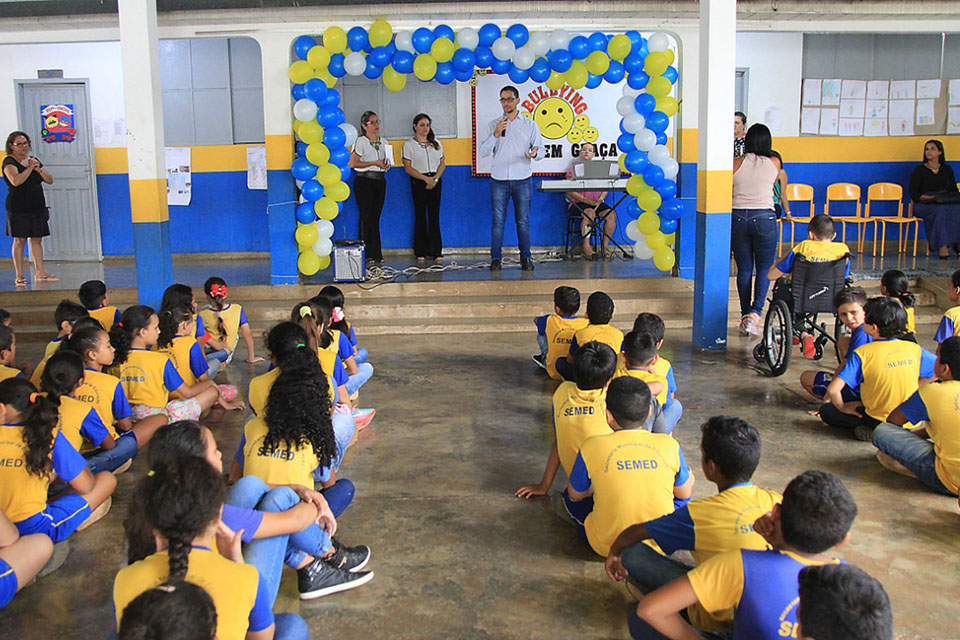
[[933, 189]]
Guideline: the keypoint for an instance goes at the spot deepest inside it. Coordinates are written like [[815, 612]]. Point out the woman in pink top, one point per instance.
[[753, 235], [589, 204]]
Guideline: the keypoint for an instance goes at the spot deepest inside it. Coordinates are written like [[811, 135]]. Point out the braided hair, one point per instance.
[[217, 301], [134, 319], [170, 321], [38, 416]]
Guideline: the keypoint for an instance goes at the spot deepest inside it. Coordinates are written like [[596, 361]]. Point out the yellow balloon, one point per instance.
[[442, 49], [311, 132], [668, 105], [619, 47], [664, 258], [620, 161], [655, 64], [326, 208], [380, 34], [338, 191], [577, 75], [318, 57], [318, 154], [424, 67], [636, 185], [670, 56], [669, 238], [655, 240], [648, 222], [300, 71], [335, 40], [328, 79], [556, 80], [308, 263], [598, 62], [328, 175], [296, 126], [306, 234], [324, 262], [649, 200], [393, 79], [658, 87]]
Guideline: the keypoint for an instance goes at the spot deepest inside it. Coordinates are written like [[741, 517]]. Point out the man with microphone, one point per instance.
[[514, 143]]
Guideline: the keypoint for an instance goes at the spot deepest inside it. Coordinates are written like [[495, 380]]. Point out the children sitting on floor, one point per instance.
[[951, 317], [930, 453], [8, 354], [887, 370], [226, 322], [849, 303], [555, 331], [815, 515], [894, 285], [339, 320], [93, 296], [638, 359], [628, 476], [599, 313], [21, 558], [64, 317], [337, 342], [842, 602], [653, 324]]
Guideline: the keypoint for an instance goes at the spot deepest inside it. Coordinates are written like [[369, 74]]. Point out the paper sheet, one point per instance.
[[903, 89], [829, 122], [878, 90], [954, 91], [928, 89], [851, 126], [877, 108], [773, 117], [809, 121], [851, 108], [875, 127], [953, 120], [811, 93], [901, 109], [854, 90], [256, 167], [830, 93], [178, 176], [925, 116], [901, 126]]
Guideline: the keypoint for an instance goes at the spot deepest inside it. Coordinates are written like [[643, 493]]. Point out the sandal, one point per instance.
[[46, 278], [21, 282]]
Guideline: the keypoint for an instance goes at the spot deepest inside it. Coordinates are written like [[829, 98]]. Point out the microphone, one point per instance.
[[506, 116]]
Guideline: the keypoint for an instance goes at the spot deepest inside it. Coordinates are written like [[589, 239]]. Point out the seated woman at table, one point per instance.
[[929, 182], [589, 204]]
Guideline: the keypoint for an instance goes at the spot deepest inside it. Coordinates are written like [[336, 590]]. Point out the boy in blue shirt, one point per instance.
[[842, 602], [761, 586], [849, 304]]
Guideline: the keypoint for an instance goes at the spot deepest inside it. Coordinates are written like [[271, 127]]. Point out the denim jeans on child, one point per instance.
[[125, 448], [671, 415], [361, 356], [649, 568], [542, 343], [290, 626], [753, 238], [357, 380], [914, 452], [344, 427], [501, 192]]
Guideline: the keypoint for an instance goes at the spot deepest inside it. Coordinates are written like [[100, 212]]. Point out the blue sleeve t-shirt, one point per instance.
[[671, 384], [171, 379], [541, 322], [67, 461], [344, 348], [240, 519], [340, 376], [914, 409], [116, 316], [852, 372], [243, 317], [858, 338], [353, 336], [92, 427], [198, 363], [673, 531], [120, 405]]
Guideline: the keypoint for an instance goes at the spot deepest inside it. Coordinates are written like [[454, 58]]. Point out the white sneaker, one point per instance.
[[753, 325], [742, 328]]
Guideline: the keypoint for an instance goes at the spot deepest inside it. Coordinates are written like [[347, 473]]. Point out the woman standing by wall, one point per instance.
[[371, 158], [423, 161], [26, 208]]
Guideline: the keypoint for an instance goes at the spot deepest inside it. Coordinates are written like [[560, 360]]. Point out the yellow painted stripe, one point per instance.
[[714, 191], [148, 200], [214, 158], [110, 160], [689, 141], [280, 150]]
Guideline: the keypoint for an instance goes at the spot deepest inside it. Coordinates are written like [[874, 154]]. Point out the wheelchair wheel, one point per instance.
[[778, 337], [759, 353], [837, 334]]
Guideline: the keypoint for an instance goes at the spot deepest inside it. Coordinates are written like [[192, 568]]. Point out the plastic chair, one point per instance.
[[848, 192], [892, 192], [575, 230], [797, 192]]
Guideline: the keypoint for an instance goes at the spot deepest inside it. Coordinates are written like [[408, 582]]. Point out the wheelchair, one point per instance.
[[794, 308]]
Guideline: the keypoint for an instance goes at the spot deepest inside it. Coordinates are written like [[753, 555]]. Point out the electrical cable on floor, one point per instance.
[[378, 275]]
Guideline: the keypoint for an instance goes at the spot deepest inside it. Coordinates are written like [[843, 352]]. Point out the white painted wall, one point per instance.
[[775, 61]]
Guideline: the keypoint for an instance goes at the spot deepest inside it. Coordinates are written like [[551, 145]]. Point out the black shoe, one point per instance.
[[540, 360], [494, 265], [319, 579], [863, 432], [526, 264], [349, 558]]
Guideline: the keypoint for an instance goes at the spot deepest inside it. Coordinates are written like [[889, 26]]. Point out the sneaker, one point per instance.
[[319, 579], [540, 360], [494, 265], [753, 325], [863, 432], [96, 514], [809, 346], [348, 558], [60, 552], [124, 467], [355, 395], [742, 327], [363, 417], [526, 264]]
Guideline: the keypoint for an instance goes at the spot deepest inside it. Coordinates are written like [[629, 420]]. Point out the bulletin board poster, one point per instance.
[[566, 118], [57, 123]]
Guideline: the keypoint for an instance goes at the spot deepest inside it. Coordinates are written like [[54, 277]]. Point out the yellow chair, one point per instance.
[[797, 192], [848, 192], [892, 192]]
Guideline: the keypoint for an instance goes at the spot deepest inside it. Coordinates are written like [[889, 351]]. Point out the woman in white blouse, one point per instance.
[[423, 161], [371, 157]]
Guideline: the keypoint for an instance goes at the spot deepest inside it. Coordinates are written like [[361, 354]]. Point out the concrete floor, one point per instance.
[[460, 425]]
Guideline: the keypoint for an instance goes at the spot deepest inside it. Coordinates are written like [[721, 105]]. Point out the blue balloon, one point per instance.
[[653, 175], [302, 46], [518, 76], [635, 38], [638, 79], [339, 117], [334, 137], [643, 52], [622, 130], [336, 66], [444, 31], [483, 56], [464, 60], [635, 162], [657, 122], [422, 39], [305, 213], [326, 117], [403, 61], [662, 138], [671, 74], [344, 175], [488, 33], [579, 47], [314, 89], [625, 143], [500, 66], [445, 73], [464, 75], [598, 41], [357, 39], [540, 70], [302, 169], [593, 80], [633, 63], [667, 225], [330, 100], [297, 92], [633, 208], [615, 72], [392, 47], [340, 156], [645, 104], [312, 190], [302, 149], [671, 208], [372, 71], [667, 189], [380, 56], [519, 34], [560, 60]]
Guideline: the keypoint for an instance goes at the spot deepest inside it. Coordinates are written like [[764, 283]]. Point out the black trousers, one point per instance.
[[370, 194], [426, 219], [836, 418]]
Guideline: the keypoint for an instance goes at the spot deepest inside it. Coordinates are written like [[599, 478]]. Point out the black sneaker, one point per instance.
[[349, 558], [539, 359], [863, 432], [319, 579], [494, 265], [526, 264]]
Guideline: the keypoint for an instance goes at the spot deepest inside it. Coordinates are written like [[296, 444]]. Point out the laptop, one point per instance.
[[596, 170]]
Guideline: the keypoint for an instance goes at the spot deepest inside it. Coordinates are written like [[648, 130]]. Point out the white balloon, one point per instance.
[[670, 169], [630, 91], [404, 41], [524, 58], [658, 155], [645, 140], [354, 64], [658, 42], [634, 122], [299, 183], [632, 231], [503, 48], [351, 132], [559, 39], [304, 110], [468, 38], [323, 246], [641, 251], [625, 106], [539, 43], [324, 228]]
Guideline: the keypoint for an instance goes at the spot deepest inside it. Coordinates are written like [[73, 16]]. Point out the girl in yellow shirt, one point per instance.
[[226, 322]]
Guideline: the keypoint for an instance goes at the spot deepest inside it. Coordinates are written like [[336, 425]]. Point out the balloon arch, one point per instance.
[[442, 55]]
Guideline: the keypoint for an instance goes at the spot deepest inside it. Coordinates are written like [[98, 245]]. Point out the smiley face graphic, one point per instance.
[[590, 134], [554, 117], [575, 135], [582, 121]]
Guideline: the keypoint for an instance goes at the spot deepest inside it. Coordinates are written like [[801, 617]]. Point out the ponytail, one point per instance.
[[305, 314], [170, 321], [323, 311], [898, 287], [39, 418], [62, 374], [334, 296], [134, 319], [217, 296]]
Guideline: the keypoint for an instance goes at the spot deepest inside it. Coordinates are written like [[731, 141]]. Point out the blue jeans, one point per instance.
[[343, 430], [339, 496], [542, 343], [501, 191], [912, 451], [290, 626], [215, 361], [110, 459], [361, 356], [357, 380], [578, 510], [671, 414], [650, 569], [753, 237]]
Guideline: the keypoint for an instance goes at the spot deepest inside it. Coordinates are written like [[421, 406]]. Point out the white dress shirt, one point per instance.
[[373, 152], [509, 162]]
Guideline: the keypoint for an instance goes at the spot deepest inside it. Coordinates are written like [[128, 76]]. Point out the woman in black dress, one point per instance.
[[26, 207], [931, 181]]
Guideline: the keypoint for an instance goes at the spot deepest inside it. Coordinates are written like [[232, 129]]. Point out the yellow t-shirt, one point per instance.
[[147, 378], [911, 319], [52, 348], [559, 332], [179, 351], [577, 415], [105, 316], [605, 333], [9, 372], [278, 466], [78, 421], [230, 315], [887, 371], [647, 377], [100, 389], [260, 390], [821, 250], [23, 494], [938, 403]]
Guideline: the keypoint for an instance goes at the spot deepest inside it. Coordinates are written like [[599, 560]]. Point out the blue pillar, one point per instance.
[[151, 242], [281, 203], [711, 285]]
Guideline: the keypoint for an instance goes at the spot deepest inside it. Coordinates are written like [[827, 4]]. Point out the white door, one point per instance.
[[74, 221]]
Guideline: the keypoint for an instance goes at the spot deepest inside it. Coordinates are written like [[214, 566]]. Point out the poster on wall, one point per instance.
[[58, 123], [257, 167], [178, 176], [566, 118]]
